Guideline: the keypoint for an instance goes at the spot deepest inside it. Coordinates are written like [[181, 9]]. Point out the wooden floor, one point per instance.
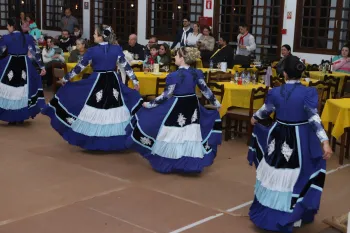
[[48, 186]]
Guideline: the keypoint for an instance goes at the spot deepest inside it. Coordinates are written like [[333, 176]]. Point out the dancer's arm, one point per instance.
[[35, 52], [206, 90], [266, 110], [2, 45], [79, 67], [167, 93], [310, 106], [128, 70]]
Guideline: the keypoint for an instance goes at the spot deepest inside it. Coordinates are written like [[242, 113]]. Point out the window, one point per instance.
[[164, 17], [263, 18], [322, 26], [12, 8], [120, 14], [53, 10]]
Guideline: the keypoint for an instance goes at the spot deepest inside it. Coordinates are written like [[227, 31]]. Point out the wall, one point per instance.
[[291, 5]]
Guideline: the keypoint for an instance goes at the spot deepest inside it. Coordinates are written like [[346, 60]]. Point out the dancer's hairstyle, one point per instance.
[[107, 33], [294, 67], [189, 54], [15, 23]]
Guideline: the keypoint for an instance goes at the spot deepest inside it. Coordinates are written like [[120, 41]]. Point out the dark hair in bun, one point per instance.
[[294, 67]]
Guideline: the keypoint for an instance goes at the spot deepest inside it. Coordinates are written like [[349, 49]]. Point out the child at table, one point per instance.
[[154, 58]]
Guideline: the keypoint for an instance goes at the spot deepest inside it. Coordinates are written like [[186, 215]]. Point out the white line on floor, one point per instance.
[[197, 223], [237, 207], [52, 208], [122, 220], [337, 169]]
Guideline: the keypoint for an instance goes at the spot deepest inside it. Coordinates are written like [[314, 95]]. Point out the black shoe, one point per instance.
[[12, 123]]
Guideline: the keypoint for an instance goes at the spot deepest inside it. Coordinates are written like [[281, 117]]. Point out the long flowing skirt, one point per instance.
[[290, 175], [21, 92], [93, 113], [179, 135]]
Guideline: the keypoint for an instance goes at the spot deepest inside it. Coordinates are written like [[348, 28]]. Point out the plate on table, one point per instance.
[[156, 73]]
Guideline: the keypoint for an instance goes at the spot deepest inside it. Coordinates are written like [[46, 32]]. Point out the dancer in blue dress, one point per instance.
[[291, 166], [21, 93], [174, 132], [93, 113]]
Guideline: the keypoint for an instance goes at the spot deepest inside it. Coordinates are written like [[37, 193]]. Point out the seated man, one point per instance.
[[224, 53], [66, 41], [135, 48]]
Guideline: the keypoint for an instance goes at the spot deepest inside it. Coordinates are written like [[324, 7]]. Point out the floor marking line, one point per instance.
[[236, 207], [239, 206], [197, 223], [120, 219], [44, 211]]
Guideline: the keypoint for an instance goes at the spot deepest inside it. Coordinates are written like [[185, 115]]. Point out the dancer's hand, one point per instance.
[[137, 87], [62, 81], [43, 72], [327, 150], [145, 104], [253, 121]]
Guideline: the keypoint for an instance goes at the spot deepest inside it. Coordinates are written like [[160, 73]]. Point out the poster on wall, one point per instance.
[[86, 5], [209, 4]]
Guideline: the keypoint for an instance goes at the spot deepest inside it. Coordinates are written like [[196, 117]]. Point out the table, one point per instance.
[[87, 70], [238, 96], [337, 111], [319, 75], [148, 82]]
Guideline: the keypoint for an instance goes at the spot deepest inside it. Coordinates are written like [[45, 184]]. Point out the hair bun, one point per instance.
[[299, 66], [107, 31]]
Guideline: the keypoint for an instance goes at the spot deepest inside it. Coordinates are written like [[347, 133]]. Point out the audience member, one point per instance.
[[224, 53], [68, 21], [182, 34], [246, 42], [135, 48]]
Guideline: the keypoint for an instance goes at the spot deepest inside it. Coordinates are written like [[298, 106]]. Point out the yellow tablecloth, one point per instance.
[[319, 75], [148, 82], [87, 70], [238, 96], [307, 83], [337, 111], [66, 56]]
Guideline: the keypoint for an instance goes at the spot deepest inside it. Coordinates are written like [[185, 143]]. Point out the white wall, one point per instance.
[[291, 5]]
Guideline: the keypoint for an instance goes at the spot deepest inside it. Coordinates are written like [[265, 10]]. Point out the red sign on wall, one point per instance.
[[209, 4], [205, 21]]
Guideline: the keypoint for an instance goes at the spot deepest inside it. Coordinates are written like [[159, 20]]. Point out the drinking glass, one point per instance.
[[166, 68]]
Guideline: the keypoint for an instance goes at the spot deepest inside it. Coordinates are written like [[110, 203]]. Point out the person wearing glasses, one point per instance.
[[183, 33]]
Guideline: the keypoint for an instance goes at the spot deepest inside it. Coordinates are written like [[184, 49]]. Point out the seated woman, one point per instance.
[[174, 132], [341, 63], [206, 45], [290, 163], [77, 54], [285, 50], [194, 36], [164, 54]]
